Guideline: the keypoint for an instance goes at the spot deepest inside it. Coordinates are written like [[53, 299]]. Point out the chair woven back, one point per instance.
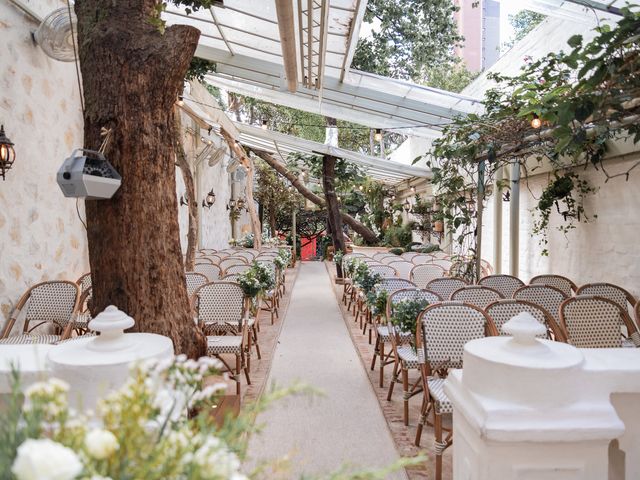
[[389, 259], [476, 295], [421, 258], [545, 296], [440, 254], [557, 281], [393, 284], [353, 254], [410, 294], [409, 255], [610, 291], [442, 262], [203, 259], [446, 327], [84, 282], [194, 281], [208, 251], [446, 286], [504, 310], [594, 322], [505, 284], [232, 277], [421, 275], [236, 269], [51, 302], [246, 254], [370, 261], [402, 267], [380, 255], [385, 270], [215, 257], [209, 270], [229, 261], [219, 304]]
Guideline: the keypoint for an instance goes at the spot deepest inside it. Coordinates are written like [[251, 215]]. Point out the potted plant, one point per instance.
[[405, 316]]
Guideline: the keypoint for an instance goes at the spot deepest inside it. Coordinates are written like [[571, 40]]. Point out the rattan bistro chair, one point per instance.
[[558, 281], [53, 303], [505, 284], [617, 294], [236, 269], [476, 295], [504, 310], [595, 322], [385, 270], [421, 275], [84, 282], [229, 261], [404, 357], [211, 271], [403, 268], [194, 281], [246, 254], [442, 332], [220, 312], [446, 286], [548, 297]]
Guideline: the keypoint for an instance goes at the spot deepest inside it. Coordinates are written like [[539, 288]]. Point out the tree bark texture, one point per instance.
[[189, 184], [331, 199], [358, 227], [251, 204], [132, 74]]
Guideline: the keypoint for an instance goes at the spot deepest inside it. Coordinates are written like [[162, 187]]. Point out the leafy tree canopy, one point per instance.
[[523, 22], [407, 37]]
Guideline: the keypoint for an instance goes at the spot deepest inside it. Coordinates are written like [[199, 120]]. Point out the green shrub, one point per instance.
[[396, 251]]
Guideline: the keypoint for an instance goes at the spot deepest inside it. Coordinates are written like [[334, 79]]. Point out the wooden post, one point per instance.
[[479, 212], [514, 220], [294, 236], [497, 221]]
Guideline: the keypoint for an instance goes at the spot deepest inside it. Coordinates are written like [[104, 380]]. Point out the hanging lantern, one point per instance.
[[209, 200], [7, 153], [407, 205]]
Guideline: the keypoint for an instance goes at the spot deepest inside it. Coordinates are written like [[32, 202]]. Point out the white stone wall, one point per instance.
[[41, 237]]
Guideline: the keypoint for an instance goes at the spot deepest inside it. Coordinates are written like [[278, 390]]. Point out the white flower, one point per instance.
[[216, 461], [45, 459], [101, 444]]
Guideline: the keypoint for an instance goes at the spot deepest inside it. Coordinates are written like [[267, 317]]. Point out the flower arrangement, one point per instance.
[[377, 301], [365, 279], [337, 257], [283, 258], [256, 280], [246, 241], [139, 431], [405, 314]]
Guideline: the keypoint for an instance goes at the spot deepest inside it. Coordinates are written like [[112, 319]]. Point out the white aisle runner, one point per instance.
[[346, 425]]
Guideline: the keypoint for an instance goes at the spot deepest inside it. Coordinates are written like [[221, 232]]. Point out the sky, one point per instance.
[[508, 7]]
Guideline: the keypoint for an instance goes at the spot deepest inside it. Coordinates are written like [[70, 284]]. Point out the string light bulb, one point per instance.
[[413, 189], [378, 135], [536, 122]]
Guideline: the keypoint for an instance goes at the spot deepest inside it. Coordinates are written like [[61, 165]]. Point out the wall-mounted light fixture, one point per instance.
[[209, 200], [240, 203], [183, 201], [378, 135], [407, 205], [7, 153], [231, 205]]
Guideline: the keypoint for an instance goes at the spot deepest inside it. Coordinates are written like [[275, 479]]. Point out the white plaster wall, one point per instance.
[[41, 237]]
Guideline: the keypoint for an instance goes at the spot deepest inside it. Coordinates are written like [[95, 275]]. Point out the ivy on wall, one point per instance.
[[562, 109]]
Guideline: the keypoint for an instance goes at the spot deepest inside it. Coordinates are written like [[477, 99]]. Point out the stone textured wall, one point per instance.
[[41, 236]]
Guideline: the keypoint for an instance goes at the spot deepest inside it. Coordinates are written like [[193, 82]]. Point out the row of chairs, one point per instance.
[[592, 317]]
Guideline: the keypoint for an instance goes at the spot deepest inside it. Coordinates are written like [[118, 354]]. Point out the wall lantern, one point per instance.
[[240, 203], [209, 200], [231, 205], [407, 205], [378, 135], [7, 153]]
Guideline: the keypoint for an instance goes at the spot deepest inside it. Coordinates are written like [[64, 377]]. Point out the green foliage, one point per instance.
[[377, 301], [396, 250], [405, 314], [523, 22], [337, 257], [451, 75], [397, 236], [581, 97], [198, 68], [257, 280], [408, 36]]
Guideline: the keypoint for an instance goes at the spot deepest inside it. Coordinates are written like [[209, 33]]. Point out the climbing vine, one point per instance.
[[560, 111]]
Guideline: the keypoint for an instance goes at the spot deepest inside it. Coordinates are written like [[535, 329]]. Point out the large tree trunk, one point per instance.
[[132, 74], [333, 208], [251, 204], [358, 227], [189, 184]]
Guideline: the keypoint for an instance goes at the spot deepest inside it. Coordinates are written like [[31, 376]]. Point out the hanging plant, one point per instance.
[[566, 193]]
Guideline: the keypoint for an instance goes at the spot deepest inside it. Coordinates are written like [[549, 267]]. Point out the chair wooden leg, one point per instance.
[[394, 379], [381, 350], [238, 373], [424, 411], [376, 352], [405, 395], [437, 429], [255, 341]]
